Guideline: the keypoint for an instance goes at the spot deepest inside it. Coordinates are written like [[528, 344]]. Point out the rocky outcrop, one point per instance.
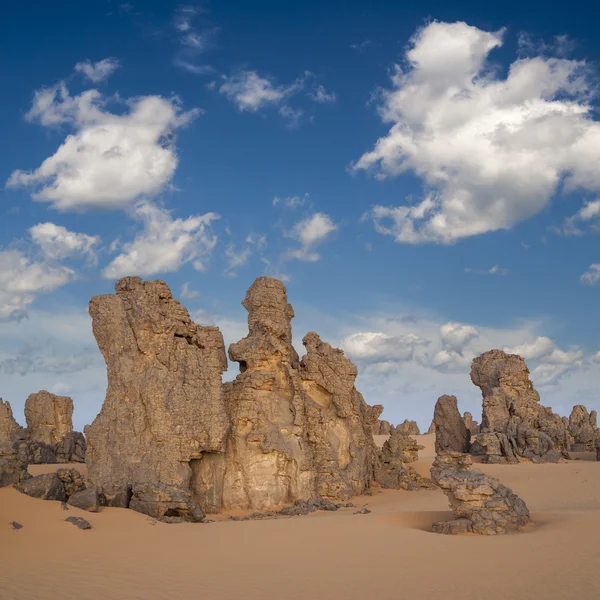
[[471, 425], [431, 428], [582, 428], [511, 408], [480, 503], [382, 427], [48, 417], [173, 442], [393, 470], [451, 435], [408, 428], [164, 407], [300, 430], [13, 465]]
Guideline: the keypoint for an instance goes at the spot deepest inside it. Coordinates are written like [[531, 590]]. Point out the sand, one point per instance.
[[388, 554]]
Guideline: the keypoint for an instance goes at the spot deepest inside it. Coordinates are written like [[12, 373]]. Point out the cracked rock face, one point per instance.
[[13, 465], [480, 503], [511, 408], [300, 430], [164, 405], [49, 417], [451, 435], [582, 428]]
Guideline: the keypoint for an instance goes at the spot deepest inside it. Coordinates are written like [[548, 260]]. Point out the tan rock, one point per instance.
[[582, 428], [49, 417], [451, 435], [408, 428]]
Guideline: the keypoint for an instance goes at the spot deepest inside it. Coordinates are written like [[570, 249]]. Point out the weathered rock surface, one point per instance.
[[431, 428], [408, 428], [511, 407], [383, 427], [48, 417], [164, 407], [471, 425], [300, 430], [79, 522], [582, 428], [86, 499], [71, 448], [451, 435], [72, 481], [13, 466], [45, 487], [166, 502], [481, 504]]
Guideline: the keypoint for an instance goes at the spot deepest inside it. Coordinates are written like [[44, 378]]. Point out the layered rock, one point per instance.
[[393, 470], [480, 503], [582, 428], [164, 407], [451, 435], [511, 408], [48, 417], [408, 428], [300, 430]]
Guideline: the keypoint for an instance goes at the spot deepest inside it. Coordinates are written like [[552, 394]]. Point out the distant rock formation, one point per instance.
[[173, 442], [451, 435], [382, 427], [13, 469], [393, 470], [481, 504], [583, 429], [408, 428], [471, 425], [164, 406], [514, 423], [431, 428]]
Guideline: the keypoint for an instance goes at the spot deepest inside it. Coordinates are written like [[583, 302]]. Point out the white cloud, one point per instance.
[[97, 71], [456, 336], [192, 41], [111, 160], [378, 346], [494, 270], [291, 201], [490, 151], [164, 244], [250, 92], [541, 346], [591, 276], [187, 293], [596, 357], [57, 242], [322, 96], [238, 258], [589, 213], [21, 279], [310, 233]]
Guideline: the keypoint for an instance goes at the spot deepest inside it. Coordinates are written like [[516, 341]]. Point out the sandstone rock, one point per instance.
[[8, 427], [162, 501], [72, 481], [471, 425], [164, 407], [582, 428], [86, 499], [13, 465], [451, 435], [431, 428], [511, 407], [383, 428], [71, 448], [79, 522], [497, 448], [408, 428], [45, 487], [12, 470], [16, 525], [300, 430], [481, 504], [49, 417]]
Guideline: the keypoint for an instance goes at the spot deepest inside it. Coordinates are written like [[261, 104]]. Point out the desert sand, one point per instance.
[[388, 554]]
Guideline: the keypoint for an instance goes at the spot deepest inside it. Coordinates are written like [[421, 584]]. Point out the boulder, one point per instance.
[[165, 502], [72, 481], [46, 487], [480, 503], [71, 448], [451, 435], [511, 407], [79, 522], [12, 470], [86, 499], [582, 428]]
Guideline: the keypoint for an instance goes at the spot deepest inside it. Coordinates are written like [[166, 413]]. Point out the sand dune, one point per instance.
[[388, 554]]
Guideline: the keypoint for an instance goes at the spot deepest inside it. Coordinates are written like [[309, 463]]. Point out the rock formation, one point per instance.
[[393, 470], [164, 407], [472, 426], [512, 415], [481, 504], [451, 435], [582, 428], [60, 485], [431, 428], [172, 441], [382, 427], [48, 417], [13, 466], [408, 428]]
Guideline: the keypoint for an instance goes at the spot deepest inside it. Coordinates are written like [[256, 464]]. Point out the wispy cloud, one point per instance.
[[97, 71], [494, 270]]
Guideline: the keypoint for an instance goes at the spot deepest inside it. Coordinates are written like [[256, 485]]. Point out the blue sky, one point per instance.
[[425, 178]]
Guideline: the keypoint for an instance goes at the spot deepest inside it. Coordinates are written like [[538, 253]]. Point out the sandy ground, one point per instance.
[[388, 554]]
